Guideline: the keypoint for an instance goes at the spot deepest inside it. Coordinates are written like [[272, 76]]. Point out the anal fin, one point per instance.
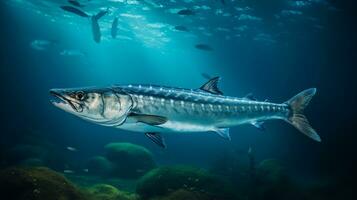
[[259, 125], [223, 132], [156, 138]]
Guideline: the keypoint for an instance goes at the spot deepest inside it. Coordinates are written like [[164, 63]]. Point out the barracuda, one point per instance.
[[156, 109]]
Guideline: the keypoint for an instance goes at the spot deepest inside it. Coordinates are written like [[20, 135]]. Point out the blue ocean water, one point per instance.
[[273, 49]]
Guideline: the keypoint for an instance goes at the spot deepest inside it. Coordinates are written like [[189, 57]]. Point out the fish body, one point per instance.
[[114, 30], [156, 109], [73, 52], [196, 110], [204, 47], [96, 30], [97, 35], [181, 28], [186, 12], [41, 45], [71, 149], [75, 3], [75, 11]]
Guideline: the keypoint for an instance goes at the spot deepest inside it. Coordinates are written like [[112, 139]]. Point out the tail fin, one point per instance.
[[297, 105]]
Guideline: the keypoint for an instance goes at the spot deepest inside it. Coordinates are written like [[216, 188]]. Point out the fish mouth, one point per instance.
[[59, 100]]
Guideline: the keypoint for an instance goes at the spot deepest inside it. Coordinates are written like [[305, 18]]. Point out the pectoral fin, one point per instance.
[[156, 138], [223, 132], [152, 120]]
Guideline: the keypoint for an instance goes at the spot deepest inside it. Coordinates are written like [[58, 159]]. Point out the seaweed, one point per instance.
[[129, 160], [164, 180], [38, 183]]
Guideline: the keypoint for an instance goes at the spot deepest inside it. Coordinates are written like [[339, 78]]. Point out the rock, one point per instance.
[[164, 180], [37, 183], [182, 194], [129, 160], [108, 192], [99, 165]]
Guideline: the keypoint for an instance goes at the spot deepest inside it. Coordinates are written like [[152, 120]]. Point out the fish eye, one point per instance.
[[80, 95]]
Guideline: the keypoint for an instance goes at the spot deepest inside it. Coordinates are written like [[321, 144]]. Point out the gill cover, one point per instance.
[[116, 108]]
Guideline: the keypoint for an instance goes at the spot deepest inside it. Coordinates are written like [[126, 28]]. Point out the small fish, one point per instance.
[[140, 170], [73, 52], [114, 30], [67, 171], [97, 35], [86, 170], [204, 47], [74, 10], [181, 28], [41, 45], [75, 3], [186, 12], [252, 163], [71, 149], [250, 151]]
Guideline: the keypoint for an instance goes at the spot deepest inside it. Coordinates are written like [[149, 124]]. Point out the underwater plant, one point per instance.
[[272, 182], [37, 183], [109, 192], [33, 149], [183, 194], [164, 180], [99, 165], [129, 160], [235, 166]]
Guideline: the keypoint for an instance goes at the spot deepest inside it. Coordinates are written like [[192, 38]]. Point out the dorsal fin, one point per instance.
[[250, 96], [212, 86]]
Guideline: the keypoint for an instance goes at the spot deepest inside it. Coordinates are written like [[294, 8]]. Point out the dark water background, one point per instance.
[[302, 56]]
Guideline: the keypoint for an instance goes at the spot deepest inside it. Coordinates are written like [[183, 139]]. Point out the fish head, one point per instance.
[[99, 105]]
